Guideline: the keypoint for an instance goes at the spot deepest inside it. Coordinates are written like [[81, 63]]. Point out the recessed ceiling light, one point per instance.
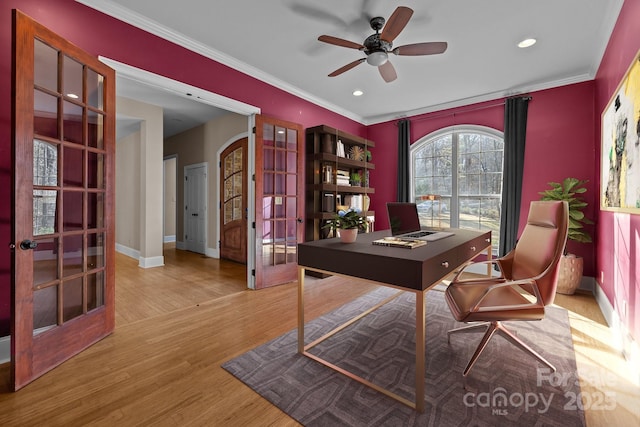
[[527, 43], [72, 95], [358, 92]]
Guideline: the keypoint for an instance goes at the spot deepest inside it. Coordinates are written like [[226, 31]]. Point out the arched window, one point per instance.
[[456, 178]]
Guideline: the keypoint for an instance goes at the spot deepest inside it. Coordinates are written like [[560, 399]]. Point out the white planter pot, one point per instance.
[[348, 235]]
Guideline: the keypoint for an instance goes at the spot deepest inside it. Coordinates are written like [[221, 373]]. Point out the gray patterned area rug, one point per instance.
[[505, 387]]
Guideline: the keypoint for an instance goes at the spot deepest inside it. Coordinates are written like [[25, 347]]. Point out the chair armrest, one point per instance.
[[512, 283], [500, 278]]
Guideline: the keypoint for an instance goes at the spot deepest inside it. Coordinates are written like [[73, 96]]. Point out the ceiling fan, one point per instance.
[[378, 46]]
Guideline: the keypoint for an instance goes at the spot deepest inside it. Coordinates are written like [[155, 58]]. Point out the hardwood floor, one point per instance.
[[176, 324]]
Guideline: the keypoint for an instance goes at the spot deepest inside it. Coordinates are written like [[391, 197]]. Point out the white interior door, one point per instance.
[[195, 209]]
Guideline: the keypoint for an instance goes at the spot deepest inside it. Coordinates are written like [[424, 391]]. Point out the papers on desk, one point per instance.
[[400, 242]]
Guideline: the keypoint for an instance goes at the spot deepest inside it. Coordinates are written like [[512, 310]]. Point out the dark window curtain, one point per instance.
[[515, 130], [403, 160]]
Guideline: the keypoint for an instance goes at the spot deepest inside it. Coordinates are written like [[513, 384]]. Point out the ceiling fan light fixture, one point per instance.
[[377, 58], [527, 43]]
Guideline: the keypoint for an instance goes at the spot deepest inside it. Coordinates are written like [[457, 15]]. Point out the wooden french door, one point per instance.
[[233, 206], [64, 128], [279, 166]]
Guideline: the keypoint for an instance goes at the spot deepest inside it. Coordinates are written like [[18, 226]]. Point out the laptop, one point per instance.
[[405, 223]]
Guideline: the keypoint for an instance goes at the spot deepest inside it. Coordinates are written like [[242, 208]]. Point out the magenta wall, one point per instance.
[[618, 251], [102, 35], [560, 143]]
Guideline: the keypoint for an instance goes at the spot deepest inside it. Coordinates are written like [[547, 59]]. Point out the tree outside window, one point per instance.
[[456, 177]]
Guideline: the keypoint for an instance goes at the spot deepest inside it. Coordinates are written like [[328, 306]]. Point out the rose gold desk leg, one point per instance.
[[420, 351], [300, 309], [489, 266]]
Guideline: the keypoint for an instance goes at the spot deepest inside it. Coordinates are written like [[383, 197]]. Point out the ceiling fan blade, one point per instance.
[[388, 72], [429, 48], [340, 42], [347, 67], [396, 23]]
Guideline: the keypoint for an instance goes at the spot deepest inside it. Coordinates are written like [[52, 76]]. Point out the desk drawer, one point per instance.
[[474, 248], [439, 267]]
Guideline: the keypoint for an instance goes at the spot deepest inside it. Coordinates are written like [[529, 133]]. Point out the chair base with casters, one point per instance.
[[492, 328], [525, 285]]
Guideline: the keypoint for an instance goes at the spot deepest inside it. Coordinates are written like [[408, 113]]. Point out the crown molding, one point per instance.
[[139, 21], [480, 98]]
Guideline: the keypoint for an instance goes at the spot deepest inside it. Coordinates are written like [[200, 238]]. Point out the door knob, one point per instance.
[[299, 220], [28, 244]]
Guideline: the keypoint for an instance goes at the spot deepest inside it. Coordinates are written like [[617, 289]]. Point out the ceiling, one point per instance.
[[276, 41]]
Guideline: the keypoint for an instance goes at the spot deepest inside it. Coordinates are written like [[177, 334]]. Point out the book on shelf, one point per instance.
[[354, 201], [400, 242], [340, 149]]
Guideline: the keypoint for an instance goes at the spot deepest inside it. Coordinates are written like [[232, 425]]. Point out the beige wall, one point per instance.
[[200, 145], [127, 195], [170, 197], [143, 193]]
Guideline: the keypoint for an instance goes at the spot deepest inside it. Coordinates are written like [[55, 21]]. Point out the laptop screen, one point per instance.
[[403, 217]]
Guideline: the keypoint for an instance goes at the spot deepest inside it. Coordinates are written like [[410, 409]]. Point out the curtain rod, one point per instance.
[[468, 110]]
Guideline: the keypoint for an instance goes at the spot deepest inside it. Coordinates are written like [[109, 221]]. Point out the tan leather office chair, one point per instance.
[[526, 283]]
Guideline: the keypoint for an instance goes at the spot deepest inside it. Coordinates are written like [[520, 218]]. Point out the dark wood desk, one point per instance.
[[414, 270]]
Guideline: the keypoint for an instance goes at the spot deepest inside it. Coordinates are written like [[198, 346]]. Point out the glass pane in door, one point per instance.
[[45, 308], [44, 212], [95, 290], [95, 129], [72, 78], [45, 265], [45, 111], [45, 66], [45, 163], [72, 299], [73, 162], [72, 250], [95, 251], [95, 92], [72, 122]]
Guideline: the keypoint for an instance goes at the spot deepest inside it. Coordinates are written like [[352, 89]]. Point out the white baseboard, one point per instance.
[[130, 252], [588, 284], [622, 339], [181, 245], [5, 349], [212, 253], [156, 261], [169, 239]]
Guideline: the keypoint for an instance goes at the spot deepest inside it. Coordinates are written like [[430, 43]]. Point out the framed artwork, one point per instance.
[[620, 156]]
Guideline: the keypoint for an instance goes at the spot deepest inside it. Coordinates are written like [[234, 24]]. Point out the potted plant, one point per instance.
[[355, 179], [571, 266], [347, 223]]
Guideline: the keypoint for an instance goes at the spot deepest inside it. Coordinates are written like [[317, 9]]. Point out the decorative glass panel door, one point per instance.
[[233, 190], [279, 200], [64, 139]]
